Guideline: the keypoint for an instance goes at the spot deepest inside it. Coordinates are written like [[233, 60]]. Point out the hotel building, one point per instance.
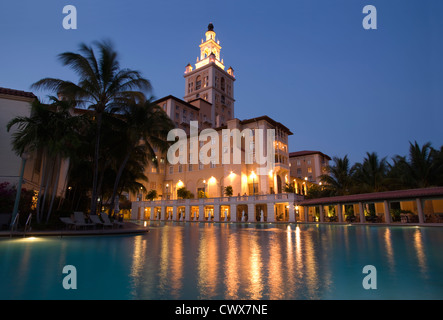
[[209, 103], [308, 165]]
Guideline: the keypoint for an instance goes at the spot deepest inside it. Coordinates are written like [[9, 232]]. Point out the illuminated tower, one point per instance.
[[209, 80]]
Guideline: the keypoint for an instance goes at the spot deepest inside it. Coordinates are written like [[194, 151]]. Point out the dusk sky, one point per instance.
[[308, 64]]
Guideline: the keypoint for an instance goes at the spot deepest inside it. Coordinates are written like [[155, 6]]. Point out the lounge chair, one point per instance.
[[79, 220], [96, 220], [106, 219], [68, 222]]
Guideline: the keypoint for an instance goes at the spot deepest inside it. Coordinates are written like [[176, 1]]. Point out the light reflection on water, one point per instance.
[[230, 261]]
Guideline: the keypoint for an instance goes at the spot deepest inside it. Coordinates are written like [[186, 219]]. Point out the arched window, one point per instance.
[[223, 84], [198, 83]]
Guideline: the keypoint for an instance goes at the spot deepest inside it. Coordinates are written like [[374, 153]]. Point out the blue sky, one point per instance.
[[308, 64]]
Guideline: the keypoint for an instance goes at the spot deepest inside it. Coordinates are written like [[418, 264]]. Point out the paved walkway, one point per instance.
[[127, 228]]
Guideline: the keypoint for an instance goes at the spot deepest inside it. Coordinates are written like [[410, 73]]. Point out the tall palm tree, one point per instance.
[[144, 128], [370, 176], [50, 129], [338, 180], [103, 86]]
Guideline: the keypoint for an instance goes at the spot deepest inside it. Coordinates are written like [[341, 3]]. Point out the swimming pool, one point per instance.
[[178, 260]]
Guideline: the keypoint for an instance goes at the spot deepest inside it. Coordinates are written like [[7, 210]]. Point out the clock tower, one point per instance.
[[210, 81]]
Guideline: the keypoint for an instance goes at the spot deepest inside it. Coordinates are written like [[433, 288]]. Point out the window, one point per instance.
[[198, 83], [309, 170], [222, 84], [190, 167], [180, 168], [298, 170], [225, 149], [213, 164], [200, 166], [171, 169], [298, 162], [177, 115], [309, 161], [223, 99]]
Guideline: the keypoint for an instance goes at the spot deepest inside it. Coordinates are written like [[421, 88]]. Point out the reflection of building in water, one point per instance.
[[208, 263]]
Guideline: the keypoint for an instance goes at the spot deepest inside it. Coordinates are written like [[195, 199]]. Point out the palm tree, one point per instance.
[[51, 130], [151, 195], [370, 176], [421, 169], [103, 86], [338, 180], [437, 166], [144, 129], [420, 162]]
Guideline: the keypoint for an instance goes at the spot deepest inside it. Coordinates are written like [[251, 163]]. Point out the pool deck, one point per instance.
[[128, 228]]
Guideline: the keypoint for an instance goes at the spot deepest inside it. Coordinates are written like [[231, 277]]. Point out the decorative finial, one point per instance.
[[210, 27]]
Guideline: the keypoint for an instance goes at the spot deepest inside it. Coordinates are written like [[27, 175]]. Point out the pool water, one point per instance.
[[231, 261]]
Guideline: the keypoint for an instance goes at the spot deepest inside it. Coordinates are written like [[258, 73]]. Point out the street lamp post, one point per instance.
[[24, 157]]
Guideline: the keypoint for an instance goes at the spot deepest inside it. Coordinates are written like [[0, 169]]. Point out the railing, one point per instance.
[[224, 200], [27, 224], [14, 224]]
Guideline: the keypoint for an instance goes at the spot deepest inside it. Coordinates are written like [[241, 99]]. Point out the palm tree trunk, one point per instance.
[[117, 181], [48, 181], [45, 165], [55, 188], [63, 198], [101, 179], [95, 173]]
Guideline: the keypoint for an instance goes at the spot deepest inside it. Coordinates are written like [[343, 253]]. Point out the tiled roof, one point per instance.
[[307, 152], [19, 93], [378, 196]]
